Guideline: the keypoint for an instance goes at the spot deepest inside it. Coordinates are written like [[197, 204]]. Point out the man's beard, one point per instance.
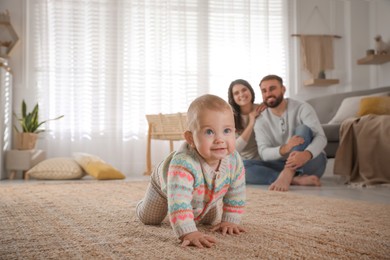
[[275, 103]]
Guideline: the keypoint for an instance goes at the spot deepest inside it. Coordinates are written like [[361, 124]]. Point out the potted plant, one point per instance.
[[26, 138]]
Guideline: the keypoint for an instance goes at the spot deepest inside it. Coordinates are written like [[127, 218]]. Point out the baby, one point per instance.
[[202, 182]]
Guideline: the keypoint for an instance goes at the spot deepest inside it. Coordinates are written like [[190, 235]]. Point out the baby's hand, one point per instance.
[[228, 228], [198, 239]]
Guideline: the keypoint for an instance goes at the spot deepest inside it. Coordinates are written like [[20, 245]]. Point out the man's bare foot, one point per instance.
[[306, 180], [283, 181]]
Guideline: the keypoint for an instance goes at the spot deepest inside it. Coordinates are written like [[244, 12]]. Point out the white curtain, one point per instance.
[[104, 64]]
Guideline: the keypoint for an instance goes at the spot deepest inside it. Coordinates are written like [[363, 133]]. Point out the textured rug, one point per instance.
[[95, 220]]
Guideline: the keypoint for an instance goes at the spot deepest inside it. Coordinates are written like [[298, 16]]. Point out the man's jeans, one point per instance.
[[266, 172]]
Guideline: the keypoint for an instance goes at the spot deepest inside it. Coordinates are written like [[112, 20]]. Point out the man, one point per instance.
[[290, 141]]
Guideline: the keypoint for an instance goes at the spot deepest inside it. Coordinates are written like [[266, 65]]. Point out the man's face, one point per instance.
[[272, 92]]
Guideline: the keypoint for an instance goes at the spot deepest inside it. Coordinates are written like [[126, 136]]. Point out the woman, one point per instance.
[[241, 98]]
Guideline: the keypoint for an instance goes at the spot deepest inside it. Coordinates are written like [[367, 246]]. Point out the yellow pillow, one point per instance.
[[103, 171], [374, 105], [96, 167]]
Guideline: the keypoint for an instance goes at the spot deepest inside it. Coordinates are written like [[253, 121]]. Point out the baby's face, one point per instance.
[[214, 137]]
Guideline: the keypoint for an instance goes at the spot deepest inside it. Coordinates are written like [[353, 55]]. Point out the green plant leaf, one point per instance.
[[24, 109], [30, 121]]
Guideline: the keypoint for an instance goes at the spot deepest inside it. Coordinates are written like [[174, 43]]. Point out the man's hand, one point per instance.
[[291, 143], [197, 239], [297, 159], [228, 228]]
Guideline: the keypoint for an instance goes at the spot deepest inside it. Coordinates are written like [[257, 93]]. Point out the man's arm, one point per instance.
[[291, 143], [266, 141], [310, 119]]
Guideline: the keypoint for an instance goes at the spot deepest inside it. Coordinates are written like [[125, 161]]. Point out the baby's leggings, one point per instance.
[[154, 208]]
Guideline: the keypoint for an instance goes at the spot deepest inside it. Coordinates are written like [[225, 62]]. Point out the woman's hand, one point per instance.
[[261, 107], [197, 239], [228, 228], [257, 109]]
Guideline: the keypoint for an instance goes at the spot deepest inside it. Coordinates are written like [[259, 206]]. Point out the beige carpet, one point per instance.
[[95, 220]]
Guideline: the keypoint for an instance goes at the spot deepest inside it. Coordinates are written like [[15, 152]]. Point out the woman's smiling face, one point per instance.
[[241, 95]]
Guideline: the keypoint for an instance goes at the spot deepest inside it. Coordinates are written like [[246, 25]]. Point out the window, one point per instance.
[[104, 64]]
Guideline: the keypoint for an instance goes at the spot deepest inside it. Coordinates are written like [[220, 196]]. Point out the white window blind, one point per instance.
[[104, 64]]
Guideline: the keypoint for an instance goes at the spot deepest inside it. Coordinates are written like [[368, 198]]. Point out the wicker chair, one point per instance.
[[164, 127]]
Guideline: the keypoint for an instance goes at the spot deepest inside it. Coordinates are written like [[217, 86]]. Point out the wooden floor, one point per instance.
[[333, 186]]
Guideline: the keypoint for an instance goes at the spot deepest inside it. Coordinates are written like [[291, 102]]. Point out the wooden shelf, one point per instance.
[[374, 59], [321, 82]]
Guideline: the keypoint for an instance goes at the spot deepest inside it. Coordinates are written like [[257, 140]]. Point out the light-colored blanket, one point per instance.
[[364, 152]]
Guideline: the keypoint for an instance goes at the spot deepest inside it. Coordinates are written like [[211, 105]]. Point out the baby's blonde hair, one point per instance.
[[208, 102]]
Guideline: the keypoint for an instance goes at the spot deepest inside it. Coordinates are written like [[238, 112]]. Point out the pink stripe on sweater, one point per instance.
[[181, 175]]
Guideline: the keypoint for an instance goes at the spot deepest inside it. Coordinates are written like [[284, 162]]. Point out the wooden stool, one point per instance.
[[169, 127]]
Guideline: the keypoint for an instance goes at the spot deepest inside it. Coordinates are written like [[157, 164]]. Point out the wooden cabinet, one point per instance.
[[6, 113]]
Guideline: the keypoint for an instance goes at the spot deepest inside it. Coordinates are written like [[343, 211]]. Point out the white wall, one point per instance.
[[380, 10], [357, 21], [17, 57]]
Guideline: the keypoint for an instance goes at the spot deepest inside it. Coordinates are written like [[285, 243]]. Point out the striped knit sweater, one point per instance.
[[192, 188]]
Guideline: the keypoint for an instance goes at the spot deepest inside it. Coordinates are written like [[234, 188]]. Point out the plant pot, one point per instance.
[[25, 141], [322, 75]]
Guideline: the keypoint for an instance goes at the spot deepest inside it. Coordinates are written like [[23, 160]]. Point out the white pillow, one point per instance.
[[60, 168], [350, 107]]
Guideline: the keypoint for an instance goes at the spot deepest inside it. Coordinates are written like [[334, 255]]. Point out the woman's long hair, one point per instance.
[[233, 104]]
